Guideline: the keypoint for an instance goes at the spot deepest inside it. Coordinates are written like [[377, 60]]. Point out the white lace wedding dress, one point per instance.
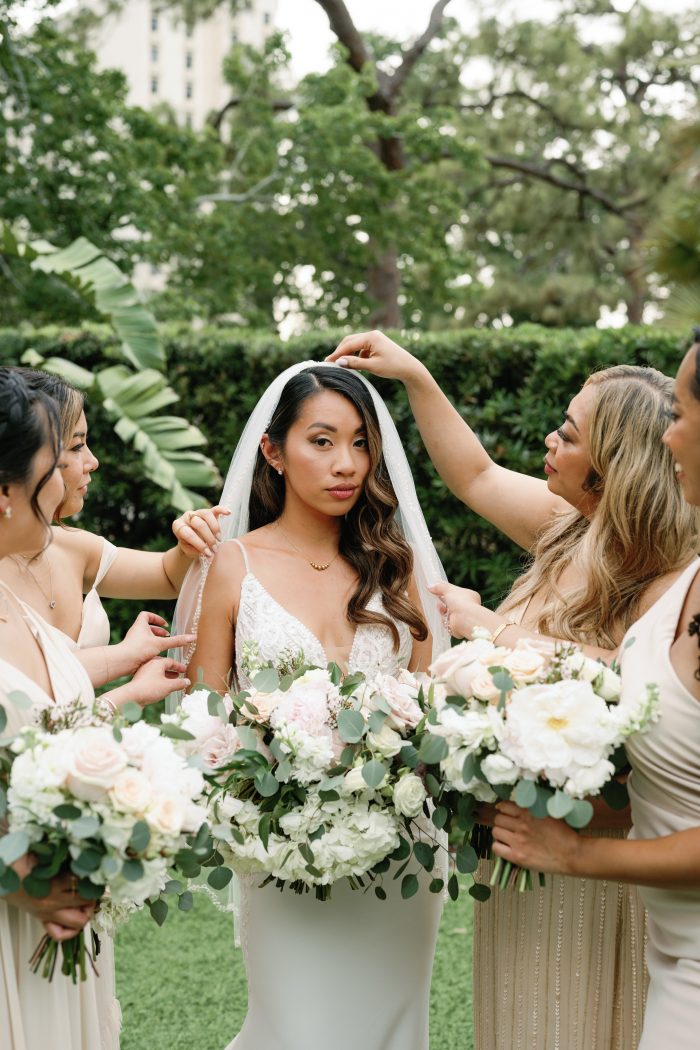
[[353, 971]]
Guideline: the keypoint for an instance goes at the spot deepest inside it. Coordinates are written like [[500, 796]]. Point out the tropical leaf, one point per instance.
[[134, 395]]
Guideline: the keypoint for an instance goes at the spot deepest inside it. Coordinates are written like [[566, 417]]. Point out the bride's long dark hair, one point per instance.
[[370, 539]]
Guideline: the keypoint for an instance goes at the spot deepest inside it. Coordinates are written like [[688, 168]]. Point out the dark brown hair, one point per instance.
[[370, 539]]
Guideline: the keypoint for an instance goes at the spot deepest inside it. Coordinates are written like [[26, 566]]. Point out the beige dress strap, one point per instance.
[[94, 627]]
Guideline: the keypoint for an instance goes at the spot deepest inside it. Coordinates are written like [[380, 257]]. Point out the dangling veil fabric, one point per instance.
[[427, 567]]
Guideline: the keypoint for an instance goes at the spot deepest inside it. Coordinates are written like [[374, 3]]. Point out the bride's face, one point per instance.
[[325, 458]]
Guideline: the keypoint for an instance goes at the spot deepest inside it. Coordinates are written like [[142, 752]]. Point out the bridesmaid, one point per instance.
[[663, 851], [608, 533], [87, 564], [34, 659]]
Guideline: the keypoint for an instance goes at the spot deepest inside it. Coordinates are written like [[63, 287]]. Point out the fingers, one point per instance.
[[71, 919], [150, 618], [352, 344], [440, 588], [180, 641]]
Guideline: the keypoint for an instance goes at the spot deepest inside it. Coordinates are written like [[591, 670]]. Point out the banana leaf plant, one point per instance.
[[134, 393]]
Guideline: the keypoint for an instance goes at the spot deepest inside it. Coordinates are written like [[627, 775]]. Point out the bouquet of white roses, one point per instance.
[[114, 805], [544, 729], [320, 777]]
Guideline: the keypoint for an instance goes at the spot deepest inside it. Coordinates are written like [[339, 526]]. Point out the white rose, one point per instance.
[[483, 687], [137, 739], [354, 781], [498, 769], [166, 815], [220, 747], [589, 779], [96, 761], [387, 742], [524, 662], [131, 792], [409, 796], [608, 684]]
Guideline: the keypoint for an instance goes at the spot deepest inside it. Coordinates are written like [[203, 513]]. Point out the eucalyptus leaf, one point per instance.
[[581, 813], [265, 783], [13, 846], [433, 749], [140, 836], [424, 854], [175, 732], [351, 726], [373, 773], [19, 699], [132, 870], [185, 901], [375, 721], [159, 910], [248, 738], [409, 886], [84, 827], [131, 712], [525, 793], [466, 859], [479, 891], [559, 804], [219, 878], [266, 681]]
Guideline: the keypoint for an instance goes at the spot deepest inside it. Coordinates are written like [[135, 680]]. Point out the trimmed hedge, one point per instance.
[[512, 386]]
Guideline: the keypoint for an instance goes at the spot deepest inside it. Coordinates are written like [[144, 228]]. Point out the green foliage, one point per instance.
[[512, 386]]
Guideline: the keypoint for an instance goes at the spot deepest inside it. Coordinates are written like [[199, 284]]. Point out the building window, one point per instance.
[[188, 60], [188, 120], [267, 18], [189, 30], [188, 89], [154, 23], [234, 38], [154, 53], [154, 85]]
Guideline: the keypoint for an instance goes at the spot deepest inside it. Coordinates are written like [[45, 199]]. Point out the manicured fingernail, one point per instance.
[[343, 362]]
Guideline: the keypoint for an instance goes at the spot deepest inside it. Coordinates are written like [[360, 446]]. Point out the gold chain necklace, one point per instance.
[[27, 567], [314, 564]]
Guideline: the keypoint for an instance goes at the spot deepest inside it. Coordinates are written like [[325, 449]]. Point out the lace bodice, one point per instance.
[[262, 620]]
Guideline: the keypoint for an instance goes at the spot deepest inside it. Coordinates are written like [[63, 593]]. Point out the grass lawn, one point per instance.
[[182, 987]]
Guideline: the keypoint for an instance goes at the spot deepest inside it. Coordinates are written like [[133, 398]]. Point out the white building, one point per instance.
[[167, 61]]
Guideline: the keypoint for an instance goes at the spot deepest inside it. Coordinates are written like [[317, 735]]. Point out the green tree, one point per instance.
[[75, 160]]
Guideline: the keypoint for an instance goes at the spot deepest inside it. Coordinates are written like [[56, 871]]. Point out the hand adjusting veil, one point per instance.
[[427, 567]]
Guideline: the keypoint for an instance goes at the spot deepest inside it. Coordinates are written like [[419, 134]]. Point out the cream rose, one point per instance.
[[96, 761], [409, 796], [166, 815], [353, 781], [483, 687], [264, 704], [524, 663], [131, 792]]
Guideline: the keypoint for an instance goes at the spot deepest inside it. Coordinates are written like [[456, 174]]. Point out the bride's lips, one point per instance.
[[548, 468], [343, 491]]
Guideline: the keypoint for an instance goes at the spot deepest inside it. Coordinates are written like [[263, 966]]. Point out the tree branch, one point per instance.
[[518, 93], [239, 198], [278, 105], [412, 55], [347, 33], [545, 174]]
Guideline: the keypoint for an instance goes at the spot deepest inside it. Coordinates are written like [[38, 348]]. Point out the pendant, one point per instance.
[[52, 604], [317, 567]]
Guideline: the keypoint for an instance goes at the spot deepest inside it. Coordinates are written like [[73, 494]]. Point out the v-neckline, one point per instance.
[[31, 620], [304, 626]]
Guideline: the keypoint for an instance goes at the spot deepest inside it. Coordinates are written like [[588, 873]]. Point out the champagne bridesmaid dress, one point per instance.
[[665, 793], [36, 1014]]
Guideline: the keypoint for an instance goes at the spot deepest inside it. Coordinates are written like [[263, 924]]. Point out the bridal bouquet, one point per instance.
[[112, 804], [544, 732], [316, 778]]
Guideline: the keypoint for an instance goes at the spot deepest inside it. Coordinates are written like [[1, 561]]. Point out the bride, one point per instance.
[[334, 559]]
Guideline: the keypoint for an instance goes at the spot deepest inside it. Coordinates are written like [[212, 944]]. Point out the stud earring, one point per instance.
[[280, 471], [7, 513]]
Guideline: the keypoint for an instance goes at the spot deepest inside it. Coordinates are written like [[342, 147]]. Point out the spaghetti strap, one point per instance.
[[244, 552]]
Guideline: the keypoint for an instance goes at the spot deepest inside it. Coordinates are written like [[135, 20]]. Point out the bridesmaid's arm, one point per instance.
[[212, 659], [422, 652], [667, 862]]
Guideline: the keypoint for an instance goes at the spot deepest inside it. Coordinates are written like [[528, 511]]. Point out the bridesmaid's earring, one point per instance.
[[7, 513], [280, 471]]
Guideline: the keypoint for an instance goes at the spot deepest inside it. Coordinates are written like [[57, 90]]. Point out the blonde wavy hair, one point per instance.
[[641, 527]]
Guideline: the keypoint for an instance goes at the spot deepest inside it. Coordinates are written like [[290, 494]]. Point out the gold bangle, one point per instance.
[[501, 627]]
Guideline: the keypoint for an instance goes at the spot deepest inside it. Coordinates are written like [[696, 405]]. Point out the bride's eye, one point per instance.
[[322, 442], [361, 443]]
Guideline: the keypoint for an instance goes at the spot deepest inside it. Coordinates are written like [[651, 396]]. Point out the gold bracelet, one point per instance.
[[502, 626]]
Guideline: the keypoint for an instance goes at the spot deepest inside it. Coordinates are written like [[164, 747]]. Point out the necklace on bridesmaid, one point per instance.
[[49, 598], [314, 564]]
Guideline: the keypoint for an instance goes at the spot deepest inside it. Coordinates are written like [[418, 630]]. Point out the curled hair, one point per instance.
[[370, 539], [69, 401], [28, 421], [641, 527]]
